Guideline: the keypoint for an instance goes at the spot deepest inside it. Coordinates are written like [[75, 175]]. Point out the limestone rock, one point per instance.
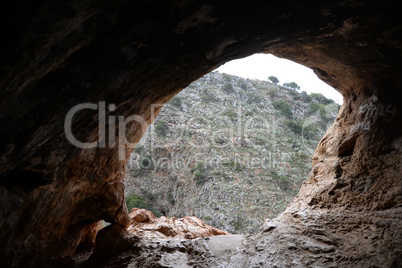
[[268, 225], [146, 225]]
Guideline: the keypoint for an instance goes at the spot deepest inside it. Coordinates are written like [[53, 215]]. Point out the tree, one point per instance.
[[273, 79], [291, 85]]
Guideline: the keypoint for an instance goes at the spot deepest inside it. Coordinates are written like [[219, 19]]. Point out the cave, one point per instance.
[[56, 55]]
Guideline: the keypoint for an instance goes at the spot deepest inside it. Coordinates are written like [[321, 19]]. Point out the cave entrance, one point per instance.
[[230, 150]]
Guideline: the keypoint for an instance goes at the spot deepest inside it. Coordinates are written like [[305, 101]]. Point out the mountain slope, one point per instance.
[[229, 150]]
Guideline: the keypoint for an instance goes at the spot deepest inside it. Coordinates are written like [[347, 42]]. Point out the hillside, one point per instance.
[[229, 150]]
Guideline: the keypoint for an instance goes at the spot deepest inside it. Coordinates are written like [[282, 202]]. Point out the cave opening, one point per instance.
[[230, 150], [133, 53]]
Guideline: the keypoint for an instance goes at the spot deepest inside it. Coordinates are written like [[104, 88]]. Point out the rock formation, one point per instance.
[[146, 225], [57, 54]]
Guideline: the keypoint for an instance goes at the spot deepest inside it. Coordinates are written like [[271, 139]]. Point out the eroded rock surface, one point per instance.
[[56, 55], [146, 225]]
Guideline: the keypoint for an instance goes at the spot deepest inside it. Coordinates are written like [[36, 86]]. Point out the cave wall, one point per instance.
[[55, 55]]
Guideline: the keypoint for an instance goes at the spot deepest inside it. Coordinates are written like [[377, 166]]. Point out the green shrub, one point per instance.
[[176, 101], [239, 223], [170, 198], [198, 174], [208, 96], [282, 181], [207, 218], [139, 149], [306, 97], [248, 113], [220, 140], [283, 107], [227, 77], [259, 141], [228, 88], [320, 98], [161, 128], [284, 184], [294, 126], [296, 95], [225, 176], [233, 164], [253, 98], [200, 165], [145, 202], [310, 132], [314, 107], [242, 84], [231, 114], [135, 201], [273, 92]]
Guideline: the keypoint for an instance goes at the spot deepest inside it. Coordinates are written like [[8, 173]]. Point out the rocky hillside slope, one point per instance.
[[229, 150]]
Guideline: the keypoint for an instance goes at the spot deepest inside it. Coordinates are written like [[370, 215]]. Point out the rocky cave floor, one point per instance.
[[297, 238]]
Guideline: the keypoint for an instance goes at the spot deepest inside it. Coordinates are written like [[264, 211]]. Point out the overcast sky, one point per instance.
[[260, 66]]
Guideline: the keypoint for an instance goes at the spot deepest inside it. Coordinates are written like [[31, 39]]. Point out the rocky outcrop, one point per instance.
[[58, 54], [146, 225]]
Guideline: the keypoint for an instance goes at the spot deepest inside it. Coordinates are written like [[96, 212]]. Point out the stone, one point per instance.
[[132, 54], [268, 225], [141, 215], [110, 241], [169, 228]]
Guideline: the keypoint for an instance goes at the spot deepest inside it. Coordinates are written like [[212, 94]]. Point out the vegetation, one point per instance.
[[170, 197], [228, 88], [314, 107], [136, 201], [242, 84], [176, 101], [208, 96], [227, 77], [200, 173], [273, 79], [233, 164], [161, 128], [283, 107], [139, 149], [283, 182], [238, 223], [295, 126], [318, 97], [291, 85], [253, 98]]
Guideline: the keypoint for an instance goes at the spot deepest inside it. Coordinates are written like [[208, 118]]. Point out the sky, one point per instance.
[[261, 66]]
